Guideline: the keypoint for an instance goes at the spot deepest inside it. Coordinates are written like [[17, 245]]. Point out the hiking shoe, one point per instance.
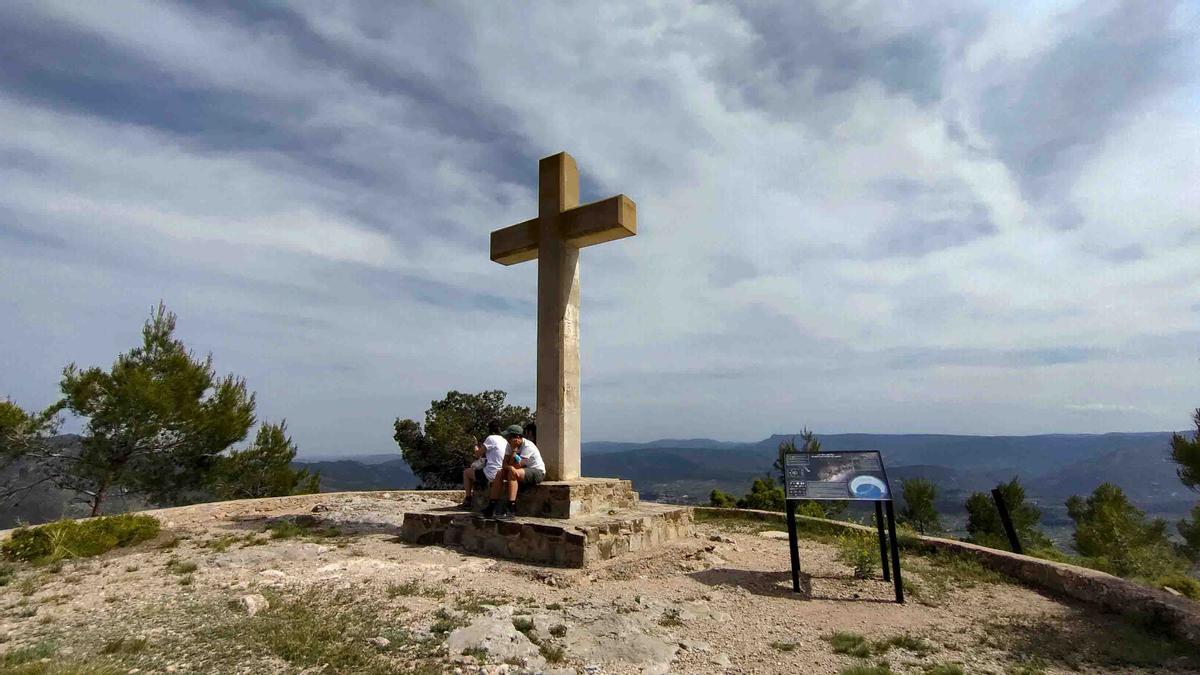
[[487, 511], [505, 514], [467, 504]]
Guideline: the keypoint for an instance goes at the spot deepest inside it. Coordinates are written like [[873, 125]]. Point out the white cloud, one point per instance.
[[835, 230]]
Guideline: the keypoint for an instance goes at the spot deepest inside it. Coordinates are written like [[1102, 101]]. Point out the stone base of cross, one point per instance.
[[554, 239]]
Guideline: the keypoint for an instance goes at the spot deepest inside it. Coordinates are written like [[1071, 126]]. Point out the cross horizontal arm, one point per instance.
[[598, 222], [515, 243], [586, 225]]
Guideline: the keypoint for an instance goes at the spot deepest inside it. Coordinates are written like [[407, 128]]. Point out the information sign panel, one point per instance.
[[836, 476]]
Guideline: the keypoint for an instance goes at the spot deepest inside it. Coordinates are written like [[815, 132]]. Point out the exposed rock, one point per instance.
[[620, 639], [498, 638], [720, 538], [379, 642], [254, 603], [773, 534], [691, 611], [694, 645], [720, 660]]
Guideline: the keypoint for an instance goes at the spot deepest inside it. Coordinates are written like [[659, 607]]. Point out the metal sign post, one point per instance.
[[844, 476]]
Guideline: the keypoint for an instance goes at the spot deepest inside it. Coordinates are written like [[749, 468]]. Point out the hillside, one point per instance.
[[342, 475], [319, 584]]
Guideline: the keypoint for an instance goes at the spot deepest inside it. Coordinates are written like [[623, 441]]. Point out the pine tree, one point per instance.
[[1186, 453], [919, 512], [263, 469], [1118, 536], [438, 453], [983, 520], [155, 422]]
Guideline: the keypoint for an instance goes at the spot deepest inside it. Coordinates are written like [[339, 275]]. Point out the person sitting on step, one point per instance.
[[488, 464], [523, 466]]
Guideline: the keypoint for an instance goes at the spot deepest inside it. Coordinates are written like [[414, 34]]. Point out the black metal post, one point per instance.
[[1013, 541], [794, 544], [896, 581], [883, 553]]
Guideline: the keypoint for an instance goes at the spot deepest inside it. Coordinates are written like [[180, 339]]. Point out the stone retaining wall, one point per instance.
[[1151, 606]]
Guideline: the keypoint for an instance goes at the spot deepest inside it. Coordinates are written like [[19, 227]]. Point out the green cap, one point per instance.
[[514, 430]]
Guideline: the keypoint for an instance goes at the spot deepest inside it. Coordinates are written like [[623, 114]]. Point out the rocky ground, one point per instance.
[[320, 584]]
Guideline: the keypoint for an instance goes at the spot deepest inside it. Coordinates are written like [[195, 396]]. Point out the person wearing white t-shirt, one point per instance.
[[489, 460], [523, 467]]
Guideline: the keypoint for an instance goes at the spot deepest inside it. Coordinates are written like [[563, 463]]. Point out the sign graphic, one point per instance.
[[836, 476]]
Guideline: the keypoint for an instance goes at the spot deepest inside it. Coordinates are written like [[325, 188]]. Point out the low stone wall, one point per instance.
[[1151, 606]]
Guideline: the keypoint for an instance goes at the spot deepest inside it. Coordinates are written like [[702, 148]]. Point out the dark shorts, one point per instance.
[[480, 477], [533, 477]]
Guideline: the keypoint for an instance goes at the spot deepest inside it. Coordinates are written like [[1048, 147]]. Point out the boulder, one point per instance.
[[253, 604]]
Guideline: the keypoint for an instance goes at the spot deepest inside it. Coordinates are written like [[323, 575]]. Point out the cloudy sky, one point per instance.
[[865, 216]]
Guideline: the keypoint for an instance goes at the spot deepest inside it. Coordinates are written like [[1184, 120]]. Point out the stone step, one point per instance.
[[571, 498], [571, 543]]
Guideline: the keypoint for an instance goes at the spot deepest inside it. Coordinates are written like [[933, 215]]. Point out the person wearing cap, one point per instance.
[[523, 466], [488, 464]]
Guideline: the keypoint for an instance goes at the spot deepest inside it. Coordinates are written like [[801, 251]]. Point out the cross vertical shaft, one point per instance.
[[554, 238], [557, 321]]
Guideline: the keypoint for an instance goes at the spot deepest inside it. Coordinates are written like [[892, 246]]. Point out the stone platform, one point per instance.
[[576, 542], [568, 523], [571, 498]]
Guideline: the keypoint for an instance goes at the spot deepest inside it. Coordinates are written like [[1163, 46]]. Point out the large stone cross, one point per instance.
[[554, 238]]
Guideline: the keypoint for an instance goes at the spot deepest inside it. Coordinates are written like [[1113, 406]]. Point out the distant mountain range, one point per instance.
[[1052, 467]]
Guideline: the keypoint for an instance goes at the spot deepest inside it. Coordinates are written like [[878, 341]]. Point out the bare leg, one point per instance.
[[515, 476], [468, 481]]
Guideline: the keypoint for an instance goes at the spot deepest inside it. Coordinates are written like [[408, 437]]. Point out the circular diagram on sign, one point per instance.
[[867, 487]]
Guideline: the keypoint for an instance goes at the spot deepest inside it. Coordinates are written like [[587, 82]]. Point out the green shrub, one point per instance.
[[552, 653], [764, 496], [984, 525], [721, 499], [1118, 536], [670, 617], [859, 552], [1180, 582], [413, 587], [37, 652], [907, 642], [881, 668], [445, 622], [810, 508], [945, 669], [78, 539], [919, 512], [852, 644]]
